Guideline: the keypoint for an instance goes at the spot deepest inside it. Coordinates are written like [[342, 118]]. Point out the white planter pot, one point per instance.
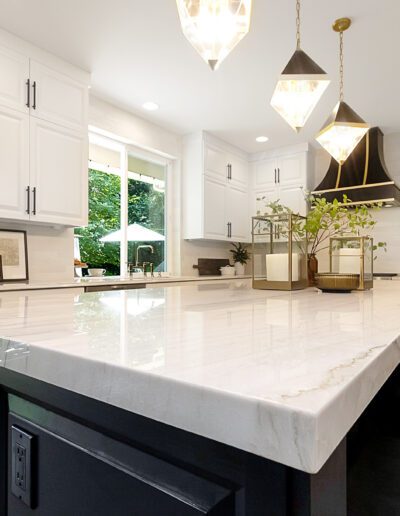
[[239, 269]]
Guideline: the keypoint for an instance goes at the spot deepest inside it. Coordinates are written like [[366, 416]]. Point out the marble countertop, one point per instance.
[[282, 375], [107, 280]]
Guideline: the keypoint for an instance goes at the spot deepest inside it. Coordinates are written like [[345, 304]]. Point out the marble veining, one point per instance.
[[282, 375]]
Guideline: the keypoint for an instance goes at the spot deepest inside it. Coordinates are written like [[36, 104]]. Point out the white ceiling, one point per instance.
[[136, 52]]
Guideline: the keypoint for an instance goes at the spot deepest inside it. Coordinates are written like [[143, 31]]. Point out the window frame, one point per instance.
[[124, 150]]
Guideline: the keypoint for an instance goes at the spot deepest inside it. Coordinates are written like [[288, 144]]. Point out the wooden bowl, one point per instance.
[[332, 282]]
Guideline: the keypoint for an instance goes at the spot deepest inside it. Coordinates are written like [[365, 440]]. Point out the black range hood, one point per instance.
[[363, 177]]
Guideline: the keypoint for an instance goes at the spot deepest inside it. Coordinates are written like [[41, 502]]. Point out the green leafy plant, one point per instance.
[[327, 219], [240, 253]]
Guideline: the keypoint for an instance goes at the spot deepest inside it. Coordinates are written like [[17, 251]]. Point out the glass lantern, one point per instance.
[[279, 252], [353, 255]]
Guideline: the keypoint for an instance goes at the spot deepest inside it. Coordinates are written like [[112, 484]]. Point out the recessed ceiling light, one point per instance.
[[262, 139], [150, 106]]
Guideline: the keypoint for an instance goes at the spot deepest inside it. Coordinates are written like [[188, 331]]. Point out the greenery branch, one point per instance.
[[327, 220]]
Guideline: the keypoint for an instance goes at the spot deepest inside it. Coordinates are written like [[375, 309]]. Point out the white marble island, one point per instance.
[[283, 376]]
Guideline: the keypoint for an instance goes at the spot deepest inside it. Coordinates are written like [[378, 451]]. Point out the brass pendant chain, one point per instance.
[[341, 71], [298, 24]]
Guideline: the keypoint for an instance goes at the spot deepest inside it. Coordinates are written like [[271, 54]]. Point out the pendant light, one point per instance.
[[214, 27], [344, 129], [300, 85]]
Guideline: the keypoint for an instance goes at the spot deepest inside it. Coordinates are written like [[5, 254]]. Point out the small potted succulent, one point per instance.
[[240, 257]]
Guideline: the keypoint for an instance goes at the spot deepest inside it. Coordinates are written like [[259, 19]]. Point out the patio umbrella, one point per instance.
[[135, 233]]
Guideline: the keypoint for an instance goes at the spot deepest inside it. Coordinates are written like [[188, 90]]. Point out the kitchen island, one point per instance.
[[207, 399]]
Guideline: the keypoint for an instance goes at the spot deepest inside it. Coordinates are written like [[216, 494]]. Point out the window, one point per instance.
[[99, 244]]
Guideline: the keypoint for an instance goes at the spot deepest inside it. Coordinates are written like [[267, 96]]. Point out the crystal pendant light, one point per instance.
[[300, 86], [344, 129], [214, 27]]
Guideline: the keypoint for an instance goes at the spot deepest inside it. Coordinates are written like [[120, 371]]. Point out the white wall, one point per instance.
[[191, 250], [50, 252], [388, 226]]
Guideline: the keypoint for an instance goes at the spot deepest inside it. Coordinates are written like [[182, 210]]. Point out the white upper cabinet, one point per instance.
[[237, 201], [283, 178], [58, 98], [294, 198], [238, 170], [14, 164], [215, 190], [265, 173], [58, 174], [43, 136], [291, 170], [215, 162], [215, 225], [14, 80]]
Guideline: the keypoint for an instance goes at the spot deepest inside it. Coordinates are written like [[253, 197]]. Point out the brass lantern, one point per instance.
[[279, 252]]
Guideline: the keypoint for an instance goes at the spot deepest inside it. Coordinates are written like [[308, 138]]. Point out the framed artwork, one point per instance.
[[14, 255]]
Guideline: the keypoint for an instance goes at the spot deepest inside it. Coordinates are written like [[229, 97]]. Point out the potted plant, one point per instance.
[[329, 219], [240, 257]]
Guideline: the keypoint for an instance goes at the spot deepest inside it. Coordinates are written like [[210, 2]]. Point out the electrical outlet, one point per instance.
[[21, 465]]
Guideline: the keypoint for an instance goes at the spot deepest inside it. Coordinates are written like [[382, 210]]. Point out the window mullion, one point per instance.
[[124, 213]]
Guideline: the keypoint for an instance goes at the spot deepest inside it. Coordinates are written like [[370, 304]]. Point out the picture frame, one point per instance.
[[14, 256]]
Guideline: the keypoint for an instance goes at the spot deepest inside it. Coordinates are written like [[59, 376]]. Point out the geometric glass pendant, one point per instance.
[[214, 27], [299, 89], [344, 129], [300, 85], [342, 132]]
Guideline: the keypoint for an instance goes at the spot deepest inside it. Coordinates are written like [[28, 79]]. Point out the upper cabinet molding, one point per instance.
[[279, 152], [44, 136], [24, 48]]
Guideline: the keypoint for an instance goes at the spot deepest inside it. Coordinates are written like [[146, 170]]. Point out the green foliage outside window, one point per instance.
[[145, 207]]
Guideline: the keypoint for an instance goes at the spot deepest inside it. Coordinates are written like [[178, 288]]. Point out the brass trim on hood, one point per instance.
[[371, 185]]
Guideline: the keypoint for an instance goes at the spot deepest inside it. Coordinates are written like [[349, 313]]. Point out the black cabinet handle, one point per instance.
[[34, 94], [275, 174], [34, 200], [229, 229], [279, 175], [28, 200], [28, 93], [229, 166]]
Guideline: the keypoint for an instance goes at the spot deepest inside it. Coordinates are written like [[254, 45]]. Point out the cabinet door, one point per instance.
[[215, 162], [14, 163], [59, 171], [293, 198], [215, 224], [265, 173], [239, 170], [291, 170], [14, 73], [237, 213], [262, 198], [58, 98]]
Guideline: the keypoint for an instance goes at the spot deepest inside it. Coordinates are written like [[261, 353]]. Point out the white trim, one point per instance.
[[105, 141], [123, 265], [280, 152]]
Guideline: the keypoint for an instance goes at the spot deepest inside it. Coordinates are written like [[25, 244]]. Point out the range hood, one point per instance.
[[363, 177]]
